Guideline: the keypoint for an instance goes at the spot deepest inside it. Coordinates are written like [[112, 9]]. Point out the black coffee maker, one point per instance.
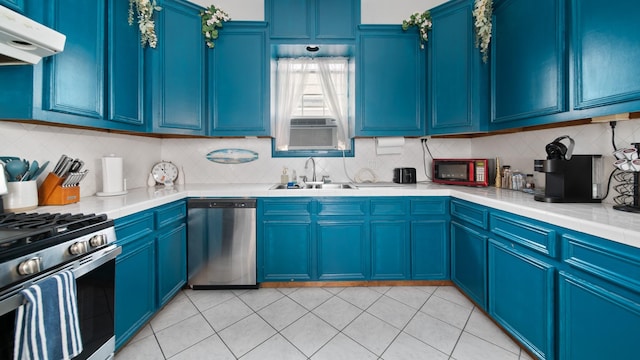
[[569, 178]]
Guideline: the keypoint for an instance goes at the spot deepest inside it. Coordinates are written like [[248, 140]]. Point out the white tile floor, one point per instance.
[[390, 323]]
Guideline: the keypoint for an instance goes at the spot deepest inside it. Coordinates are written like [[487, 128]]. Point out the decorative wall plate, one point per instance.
[[232, 156]]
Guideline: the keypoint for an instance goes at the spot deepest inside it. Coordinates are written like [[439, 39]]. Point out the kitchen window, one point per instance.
[[312, 106]]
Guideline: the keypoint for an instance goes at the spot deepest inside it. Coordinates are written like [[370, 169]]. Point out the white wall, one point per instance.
[[372, 11], [393, 11], [47, 143], [237, 9]]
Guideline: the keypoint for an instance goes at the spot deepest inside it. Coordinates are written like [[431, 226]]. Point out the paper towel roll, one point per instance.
[[389, 145], [112, 175]]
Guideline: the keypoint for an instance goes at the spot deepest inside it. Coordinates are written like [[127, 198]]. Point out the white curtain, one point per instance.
[[290, 80], [291, 74], [334, 76]]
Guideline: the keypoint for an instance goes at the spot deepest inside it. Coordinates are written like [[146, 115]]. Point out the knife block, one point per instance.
[[51, 192]]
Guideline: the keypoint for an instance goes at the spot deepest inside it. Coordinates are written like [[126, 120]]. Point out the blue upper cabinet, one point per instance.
[[605, 38], [457, 79], [312, 20], [125, 85], [390, 82], [73, 80], [239, 81], [96, 81], [528, 61], [176, 77], [15, 5]]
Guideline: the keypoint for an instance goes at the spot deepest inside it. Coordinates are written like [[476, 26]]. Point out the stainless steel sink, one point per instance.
[[329, 186]]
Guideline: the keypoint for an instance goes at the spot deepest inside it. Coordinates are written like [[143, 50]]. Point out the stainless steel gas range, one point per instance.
[[34, 247]]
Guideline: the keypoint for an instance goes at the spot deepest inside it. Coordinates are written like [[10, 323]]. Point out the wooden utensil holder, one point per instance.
[[51, 192]]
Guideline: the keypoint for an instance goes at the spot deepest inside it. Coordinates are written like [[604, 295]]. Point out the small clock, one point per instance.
[[165, 172]]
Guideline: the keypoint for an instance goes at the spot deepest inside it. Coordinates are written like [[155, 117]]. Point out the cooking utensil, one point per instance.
[[15, 169], [33, 168], [40, 170]]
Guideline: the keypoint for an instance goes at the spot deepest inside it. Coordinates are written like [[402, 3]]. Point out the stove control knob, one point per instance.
[[30, 267], [98, 240], [79, 248]]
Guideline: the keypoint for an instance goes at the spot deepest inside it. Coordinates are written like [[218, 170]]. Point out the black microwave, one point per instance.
[[469, 172]]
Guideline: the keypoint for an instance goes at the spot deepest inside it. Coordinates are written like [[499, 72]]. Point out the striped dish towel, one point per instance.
[[47, 326]]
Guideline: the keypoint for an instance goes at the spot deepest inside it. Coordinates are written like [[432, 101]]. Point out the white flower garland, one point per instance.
[[482, 12], [144, 10], [212, 18], [423, 22]]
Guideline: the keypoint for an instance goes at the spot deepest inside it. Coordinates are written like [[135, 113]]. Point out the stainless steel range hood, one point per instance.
[[24, 41]]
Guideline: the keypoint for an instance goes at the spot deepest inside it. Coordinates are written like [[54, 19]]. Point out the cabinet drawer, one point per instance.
[[429, 206], [133, 227], [470, 213], [614, 262], [289, 207], [351, 206], [529, 233], [170, 213], [386, 207]]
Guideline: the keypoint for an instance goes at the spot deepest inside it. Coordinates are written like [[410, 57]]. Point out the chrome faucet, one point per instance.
[[306, 166]]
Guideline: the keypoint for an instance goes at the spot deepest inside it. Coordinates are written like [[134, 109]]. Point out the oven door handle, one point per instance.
[[100, 257]]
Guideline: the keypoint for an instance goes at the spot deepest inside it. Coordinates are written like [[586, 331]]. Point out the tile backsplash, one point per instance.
[[42, 143]]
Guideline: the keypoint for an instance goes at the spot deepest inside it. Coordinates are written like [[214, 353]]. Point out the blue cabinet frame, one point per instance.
[[390, 82]]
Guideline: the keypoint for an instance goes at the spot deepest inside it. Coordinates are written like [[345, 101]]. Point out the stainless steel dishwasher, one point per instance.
[[221, 245]]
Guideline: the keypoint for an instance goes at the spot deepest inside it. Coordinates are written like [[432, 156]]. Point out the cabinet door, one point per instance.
[[604, 40], [15, 5], [126, 69], [177, 70], [172, 261], [336, 19], [519, 281], [343, 250], [286, 251], [135, 288], [596, 321], [289, 19], [430, 250], [390, 82], [457, 78], [74, 79], [239, 103], [528, 57], [469, 262], [390, 249]]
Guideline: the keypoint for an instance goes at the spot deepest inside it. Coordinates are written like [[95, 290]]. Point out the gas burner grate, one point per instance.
[[56, 222]]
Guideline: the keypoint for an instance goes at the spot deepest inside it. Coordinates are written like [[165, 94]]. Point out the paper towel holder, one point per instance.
[[113, 173]]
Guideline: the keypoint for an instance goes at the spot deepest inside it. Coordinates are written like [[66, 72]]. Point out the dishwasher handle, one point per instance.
[[225, 203]]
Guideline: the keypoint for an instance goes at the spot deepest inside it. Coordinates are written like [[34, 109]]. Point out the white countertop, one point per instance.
[[595, 219]]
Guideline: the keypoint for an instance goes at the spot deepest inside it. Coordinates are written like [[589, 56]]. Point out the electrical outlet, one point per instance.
[[373, 164]]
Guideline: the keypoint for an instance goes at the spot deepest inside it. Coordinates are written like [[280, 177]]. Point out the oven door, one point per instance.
[[95, 280]]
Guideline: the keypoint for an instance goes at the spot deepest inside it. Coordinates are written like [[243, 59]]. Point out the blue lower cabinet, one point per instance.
[[521, 296], [343, 250], [172, 262], [430, 250], [596, 320], [135, 281], [286, 251], [469, 261], [135, 288], [390, 250]]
